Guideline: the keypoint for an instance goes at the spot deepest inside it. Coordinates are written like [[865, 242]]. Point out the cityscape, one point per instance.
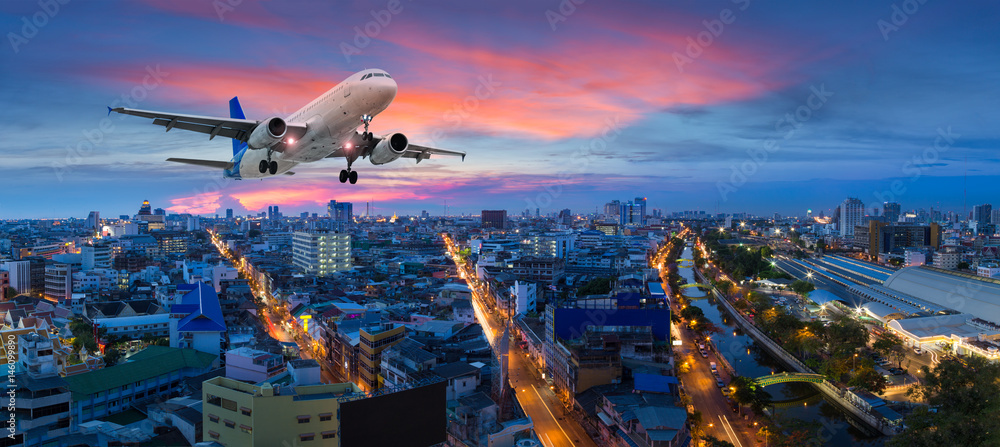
[[638, 224]]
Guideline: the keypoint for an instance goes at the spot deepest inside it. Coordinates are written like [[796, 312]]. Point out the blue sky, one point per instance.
[[609, 100]]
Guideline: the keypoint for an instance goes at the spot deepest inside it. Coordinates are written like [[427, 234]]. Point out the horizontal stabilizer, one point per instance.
[[205, 163]]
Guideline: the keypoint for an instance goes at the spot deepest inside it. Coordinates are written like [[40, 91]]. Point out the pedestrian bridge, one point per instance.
[[775, 379], [696, 285]]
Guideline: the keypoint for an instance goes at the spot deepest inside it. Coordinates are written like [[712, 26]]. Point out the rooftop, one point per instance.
[[146, 364]]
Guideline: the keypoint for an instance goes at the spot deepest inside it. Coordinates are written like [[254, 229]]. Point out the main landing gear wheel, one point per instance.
[[262, 167], [273, 167], [353, 177], [344, 175]]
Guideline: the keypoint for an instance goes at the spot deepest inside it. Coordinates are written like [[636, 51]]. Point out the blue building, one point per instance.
[[197, 321]]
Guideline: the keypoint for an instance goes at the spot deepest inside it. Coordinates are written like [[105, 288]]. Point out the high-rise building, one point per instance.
[[565, 217], [995, 217], [613, 208], [96, 256], [372, 341], [340, 211], [640, 203], [19, 275], [632, 214], [58, 282], [93, 222], [425, 215], [981, 214], [494, 219], [321, 252], [890, 212], [852, 213], [229, 214], [159, 212], [145, 209]]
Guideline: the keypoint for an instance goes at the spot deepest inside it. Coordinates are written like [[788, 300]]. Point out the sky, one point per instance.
[[721, 105]]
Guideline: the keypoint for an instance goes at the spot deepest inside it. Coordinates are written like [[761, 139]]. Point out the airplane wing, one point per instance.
[[424, 152], [412, 151], [213, 126], [205, 163]]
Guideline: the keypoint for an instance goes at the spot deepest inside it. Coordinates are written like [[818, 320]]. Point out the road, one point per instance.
[[718, 418], [544, 408], [553, 426]]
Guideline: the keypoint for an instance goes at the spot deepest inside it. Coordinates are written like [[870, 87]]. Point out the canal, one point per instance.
[[798, 405]]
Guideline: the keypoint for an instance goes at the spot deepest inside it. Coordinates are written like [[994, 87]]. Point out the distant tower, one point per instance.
[[145, 209]]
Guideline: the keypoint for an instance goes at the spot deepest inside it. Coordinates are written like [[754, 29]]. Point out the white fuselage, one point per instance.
[[331, 120]]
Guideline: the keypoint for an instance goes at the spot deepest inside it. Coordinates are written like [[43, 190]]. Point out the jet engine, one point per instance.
[[389, 149], [267, 134]]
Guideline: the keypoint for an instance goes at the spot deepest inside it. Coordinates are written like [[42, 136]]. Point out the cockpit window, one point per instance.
[[377, 74], [366, 76], [387, 75]]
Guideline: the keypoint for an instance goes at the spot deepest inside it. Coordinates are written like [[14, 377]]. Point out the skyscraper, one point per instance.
[[890, 212], [852, 213], [613, 208], [145, 209], [981, 214], [93, 221], [340, 212], [229, 214], [494, 219], [640, 203], [321, 252]]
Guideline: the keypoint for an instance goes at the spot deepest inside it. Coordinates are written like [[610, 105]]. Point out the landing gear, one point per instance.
[[348, 175], [366, 135], [268, 165], [262, 167], [273, 168]]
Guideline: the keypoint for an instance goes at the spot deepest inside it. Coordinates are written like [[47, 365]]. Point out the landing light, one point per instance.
[[291, 140]]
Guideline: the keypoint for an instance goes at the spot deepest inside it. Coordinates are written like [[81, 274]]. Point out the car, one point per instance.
[[719, 383], [883, 362], [713, 366], [917, 350], [704, 353], [896, 371]]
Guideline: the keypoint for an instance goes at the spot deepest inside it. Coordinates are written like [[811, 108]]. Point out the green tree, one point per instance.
[[820, 245], [747, 392], [890, 346], [845, 335], [963, 265], [963, 406], [596, 286], [802, 287], [692, 313], [766, 251], [11, 293], [111, 357], [712, 441], [866, 377], [725, 287]]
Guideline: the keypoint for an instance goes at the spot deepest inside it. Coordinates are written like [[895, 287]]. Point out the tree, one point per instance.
[[845, 335], [112, 357], [692, 313], [747, 392], [962, 406], [868, 378], [725, 287], [890, 346], [766, 251], [712, 441], [962, 266], [253, 233], [802, 287], [596, 286], [11, 293], [820, 245]]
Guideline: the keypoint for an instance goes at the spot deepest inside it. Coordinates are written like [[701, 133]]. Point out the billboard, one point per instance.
[[410, 418]]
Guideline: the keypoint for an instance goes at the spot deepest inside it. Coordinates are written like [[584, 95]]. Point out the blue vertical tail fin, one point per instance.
[[236, 111]]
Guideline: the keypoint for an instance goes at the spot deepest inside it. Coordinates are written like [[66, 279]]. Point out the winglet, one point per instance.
[[109, 110], [463, 157]]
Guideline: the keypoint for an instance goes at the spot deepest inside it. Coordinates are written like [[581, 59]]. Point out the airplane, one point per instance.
[[327, 127]]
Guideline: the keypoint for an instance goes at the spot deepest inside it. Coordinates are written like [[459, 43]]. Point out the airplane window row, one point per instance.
[[375, 74]]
